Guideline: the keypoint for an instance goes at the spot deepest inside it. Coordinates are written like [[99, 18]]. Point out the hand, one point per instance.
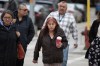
[[18, 33], [34, 61], [59, 45], [14, 20], [75, 45]]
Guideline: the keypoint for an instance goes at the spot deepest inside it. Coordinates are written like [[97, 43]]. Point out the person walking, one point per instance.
[[8, 40], [93, 52], [52, 47], [12, 5], [67, 23], [25, 26]]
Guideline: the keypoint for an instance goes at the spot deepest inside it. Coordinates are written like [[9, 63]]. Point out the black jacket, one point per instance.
[[26, 29], [51, 54], [8, 46]]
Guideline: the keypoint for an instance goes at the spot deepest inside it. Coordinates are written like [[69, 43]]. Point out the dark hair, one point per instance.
[[7, 12], [62, 1], [45, 30], [98, 16], [98, 13], [12, 5]]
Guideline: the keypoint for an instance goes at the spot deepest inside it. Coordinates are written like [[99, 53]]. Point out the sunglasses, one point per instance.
[[24, 9]]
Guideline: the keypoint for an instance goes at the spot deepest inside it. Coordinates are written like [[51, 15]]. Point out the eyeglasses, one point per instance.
[[24, 9], [7, 17]]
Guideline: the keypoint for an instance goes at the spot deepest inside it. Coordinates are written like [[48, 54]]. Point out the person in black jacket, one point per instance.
[[12, 5], [25, 27], [93, 53], [51, 49], [8, 40]]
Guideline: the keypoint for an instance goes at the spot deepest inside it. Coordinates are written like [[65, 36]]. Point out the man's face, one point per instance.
[[62, 8], [23, 11]]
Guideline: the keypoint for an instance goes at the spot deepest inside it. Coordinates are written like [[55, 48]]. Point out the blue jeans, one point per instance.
[[65, 56]]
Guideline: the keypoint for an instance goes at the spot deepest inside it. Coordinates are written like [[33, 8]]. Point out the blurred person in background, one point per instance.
[[93, 53], [12, 5], [25, 27], [8, 40], [52, 50], [67, 23]]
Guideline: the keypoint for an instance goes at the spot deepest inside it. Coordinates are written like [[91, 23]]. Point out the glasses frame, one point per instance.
[[24, 9]]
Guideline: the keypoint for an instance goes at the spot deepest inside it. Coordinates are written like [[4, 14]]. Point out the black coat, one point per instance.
[[51, 54], [92, 34], [8, 46], [26, 29]]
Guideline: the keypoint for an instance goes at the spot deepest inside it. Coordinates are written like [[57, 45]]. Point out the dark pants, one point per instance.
[[20, 62]]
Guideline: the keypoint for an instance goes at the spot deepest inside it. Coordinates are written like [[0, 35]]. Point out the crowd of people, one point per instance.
[[17, 26]]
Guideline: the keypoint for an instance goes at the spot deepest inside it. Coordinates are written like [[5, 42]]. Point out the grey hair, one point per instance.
[[62, 2], [21, 5]]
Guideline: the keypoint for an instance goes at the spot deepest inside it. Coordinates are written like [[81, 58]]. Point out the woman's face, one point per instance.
[[7, 19], [51, 25], [23, 11]]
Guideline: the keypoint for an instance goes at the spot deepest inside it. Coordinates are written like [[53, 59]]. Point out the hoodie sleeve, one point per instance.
[[37, 47], [64, 39]]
